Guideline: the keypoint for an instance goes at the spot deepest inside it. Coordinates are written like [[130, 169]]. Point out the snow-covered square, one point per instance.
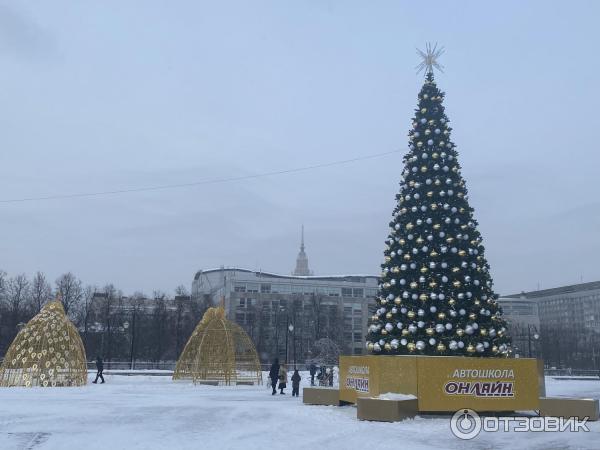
[[147, 412]]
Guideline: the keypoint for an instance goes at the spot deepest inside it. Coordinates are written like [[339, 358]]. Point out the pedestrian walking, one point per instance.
[[296, 383], [274, 375], [100, 369], [282, 379]]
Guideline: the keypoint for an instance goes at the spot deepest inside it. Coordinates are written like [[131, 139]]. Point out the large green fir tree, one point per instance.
[[435, 296]]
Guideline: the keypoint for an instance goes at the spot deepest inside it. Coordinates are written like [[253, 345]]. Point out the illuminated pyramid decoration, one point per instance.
[[47, 352], [218, 351]]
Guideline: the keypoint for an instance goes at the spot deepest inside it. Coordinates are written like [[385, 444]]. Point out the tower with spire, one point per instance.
[[302, 260]]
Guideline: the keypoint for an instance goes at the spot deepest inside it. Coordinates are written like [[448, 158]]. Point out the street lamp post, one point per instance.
[[535, 336], [291, 330], [126, 326]]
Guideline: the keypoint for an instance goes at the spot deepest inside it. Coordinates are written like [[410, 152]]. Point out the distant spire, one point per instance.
[[302, 260]]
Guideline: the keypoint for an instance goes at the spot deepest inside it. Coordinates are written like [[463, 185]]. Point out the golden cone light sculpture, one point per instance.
[[47, 352], [219, 350]]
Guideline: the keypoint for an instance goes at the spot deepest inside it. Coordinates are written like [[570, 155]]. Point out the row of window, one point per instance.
[[247, 302], [273, 288]]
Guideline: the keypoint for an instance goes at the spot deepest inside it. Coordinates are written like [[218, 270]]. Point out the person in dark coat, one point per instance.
[[100, 369], [274, 375], [313, 371], [295, 383]]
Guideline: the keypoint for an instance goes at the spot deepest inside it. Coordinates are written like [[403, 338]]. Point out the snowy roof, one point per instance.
[[275, 275], [593, 285]]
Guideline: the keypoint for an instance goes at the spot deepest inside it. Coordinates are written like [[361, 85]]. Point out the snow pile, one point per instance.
[[392, 396]]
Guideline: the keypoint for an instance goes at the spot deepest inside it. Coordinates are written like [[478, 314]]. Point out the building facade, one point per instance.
[[569, 324], [523, 321], [316, 307]]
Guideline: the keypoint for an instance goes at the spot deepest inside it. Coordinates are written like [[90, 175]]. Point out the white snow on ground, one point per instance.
[[147, 412]]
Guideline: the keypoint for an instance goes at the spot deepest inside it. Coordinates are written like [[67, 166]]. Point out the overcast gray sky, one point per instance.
[[110, 95]]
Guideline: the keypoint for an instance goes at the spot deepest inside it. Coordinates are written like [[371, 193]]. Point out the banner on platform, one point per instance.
[[444, 383]]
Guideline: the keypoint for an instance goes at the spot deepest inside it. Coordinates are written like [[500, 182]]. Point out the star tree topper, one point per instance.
[[430, 56]]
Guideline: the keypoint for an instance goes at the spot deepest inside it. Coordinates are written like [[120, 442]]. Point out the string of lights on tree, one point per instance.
[[435, 295]]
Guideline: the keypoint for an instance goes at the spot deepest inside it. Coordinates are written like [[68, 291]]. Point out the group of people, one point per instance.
[[278, 375], [325, 375]]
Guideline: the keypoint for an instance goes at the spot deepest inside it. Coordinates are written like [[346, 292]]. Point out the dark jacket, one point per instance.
[[296, 379], [99, 364], [313, 370], [274, 372]]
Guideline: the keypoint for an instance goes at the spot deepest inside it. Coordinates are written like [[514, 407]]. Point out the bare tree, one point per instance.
[[2, 284], [70, 290], [41, 291], [136, 308], [17, 297], [84, 312], [109, 308], [327, 352], [159, 325], [182, 300]]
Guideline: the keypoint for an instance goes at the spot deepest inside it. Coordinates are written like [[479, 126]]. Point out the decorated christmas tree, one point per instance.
[[435, 295]]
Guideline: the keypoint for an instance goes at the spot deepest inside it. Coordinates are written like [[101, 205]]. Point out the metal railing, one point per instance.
[[138, 365], [572, 372]]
